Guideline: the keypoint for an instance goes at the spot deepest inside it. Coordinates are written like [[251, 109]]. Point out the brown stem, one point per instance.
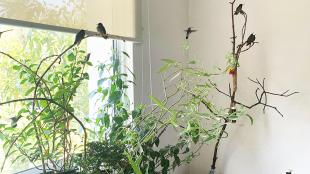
[[234, 87]]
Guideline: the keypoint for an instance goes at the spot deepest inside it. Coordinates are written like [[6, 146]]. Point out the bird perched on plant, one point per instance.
[[251, 39], [79, 37], [189, 31], [14, 121], [101, 30], [239, 9], [1, 32]]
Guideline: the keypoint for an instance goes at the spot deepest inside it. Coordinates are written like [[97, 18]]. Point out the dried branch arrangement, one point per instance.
[[233, 64]]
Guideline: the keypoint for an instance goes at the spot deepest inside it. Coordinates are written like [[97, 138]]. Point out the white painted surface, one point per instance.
[[273, 144], [164, 23]]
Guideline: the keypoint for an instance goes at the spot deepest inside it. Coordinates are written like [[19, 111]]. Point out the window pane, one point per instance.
[[31, 45]]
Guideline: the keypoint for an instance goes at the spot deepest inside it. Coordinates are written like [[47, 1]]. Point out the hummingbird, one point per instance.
[[101, 30], [250, 40], [14, 121], [239, 9], [189, 31], [79, 37], [1, 32]]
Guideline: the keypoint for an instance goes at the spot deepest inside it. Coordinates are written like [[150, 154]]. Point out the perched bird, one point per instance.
[[250, 40], [1, 32], [101, 30], [239, 9], [189, 31], [79, 37], [14, 121]]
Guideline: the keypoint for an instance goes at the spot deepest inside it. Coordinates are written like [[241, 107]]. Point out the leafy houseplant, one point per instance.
[[43, 128], [47, 133], [128, 141]]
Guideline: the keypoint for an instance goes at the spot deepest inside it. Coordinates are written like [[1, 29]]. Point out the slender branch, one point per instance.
[[262, 98], [18, 136], [57, 104], [28, 68]]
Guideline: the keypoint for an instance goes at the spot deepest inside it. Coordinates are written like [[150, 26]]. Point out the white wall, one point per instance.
[[163, 33], [273, 144]]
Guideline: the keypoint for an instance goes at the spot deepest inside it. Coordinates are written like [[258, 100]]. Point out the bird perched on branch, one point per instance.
[[239, 9], [1, 32], [14, 121], [101, 30], [251, 40], [79, 37], [189, 31]]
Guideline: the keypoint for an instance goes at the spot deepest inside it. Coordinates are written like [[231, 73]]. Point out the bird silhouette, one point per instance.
[[101, 30], [189, 31], [1, 32], [14, 121], [251, 39], [239, 9], [79, 37]]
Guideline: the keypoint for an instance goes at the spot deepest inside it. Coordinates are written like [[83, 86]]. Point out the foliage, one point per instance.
[[135, 135], [45, 129]]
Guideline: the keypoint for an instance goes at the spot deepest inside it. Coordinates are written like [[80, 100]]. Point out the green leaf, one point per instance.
[[2, 137], [86, 76], [170, 61], [118, 120], [119, 83], [157, 102], [29, 91], [134, 165], [17, 67], [251, 118], [89, 63], [136, 113], [192, 62], [157, 142], [71, 57], [43, 103], [126, 54], [106, 119], [115, 96], [176, 162], [164, 68]]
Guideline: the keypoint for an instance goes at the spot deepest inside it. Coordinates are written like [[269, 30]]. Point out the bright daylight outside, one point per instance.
[[29, 47]]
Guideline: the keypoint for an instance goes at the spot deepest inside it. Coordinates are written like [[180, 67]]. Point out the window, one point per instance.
[[31, 45]]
